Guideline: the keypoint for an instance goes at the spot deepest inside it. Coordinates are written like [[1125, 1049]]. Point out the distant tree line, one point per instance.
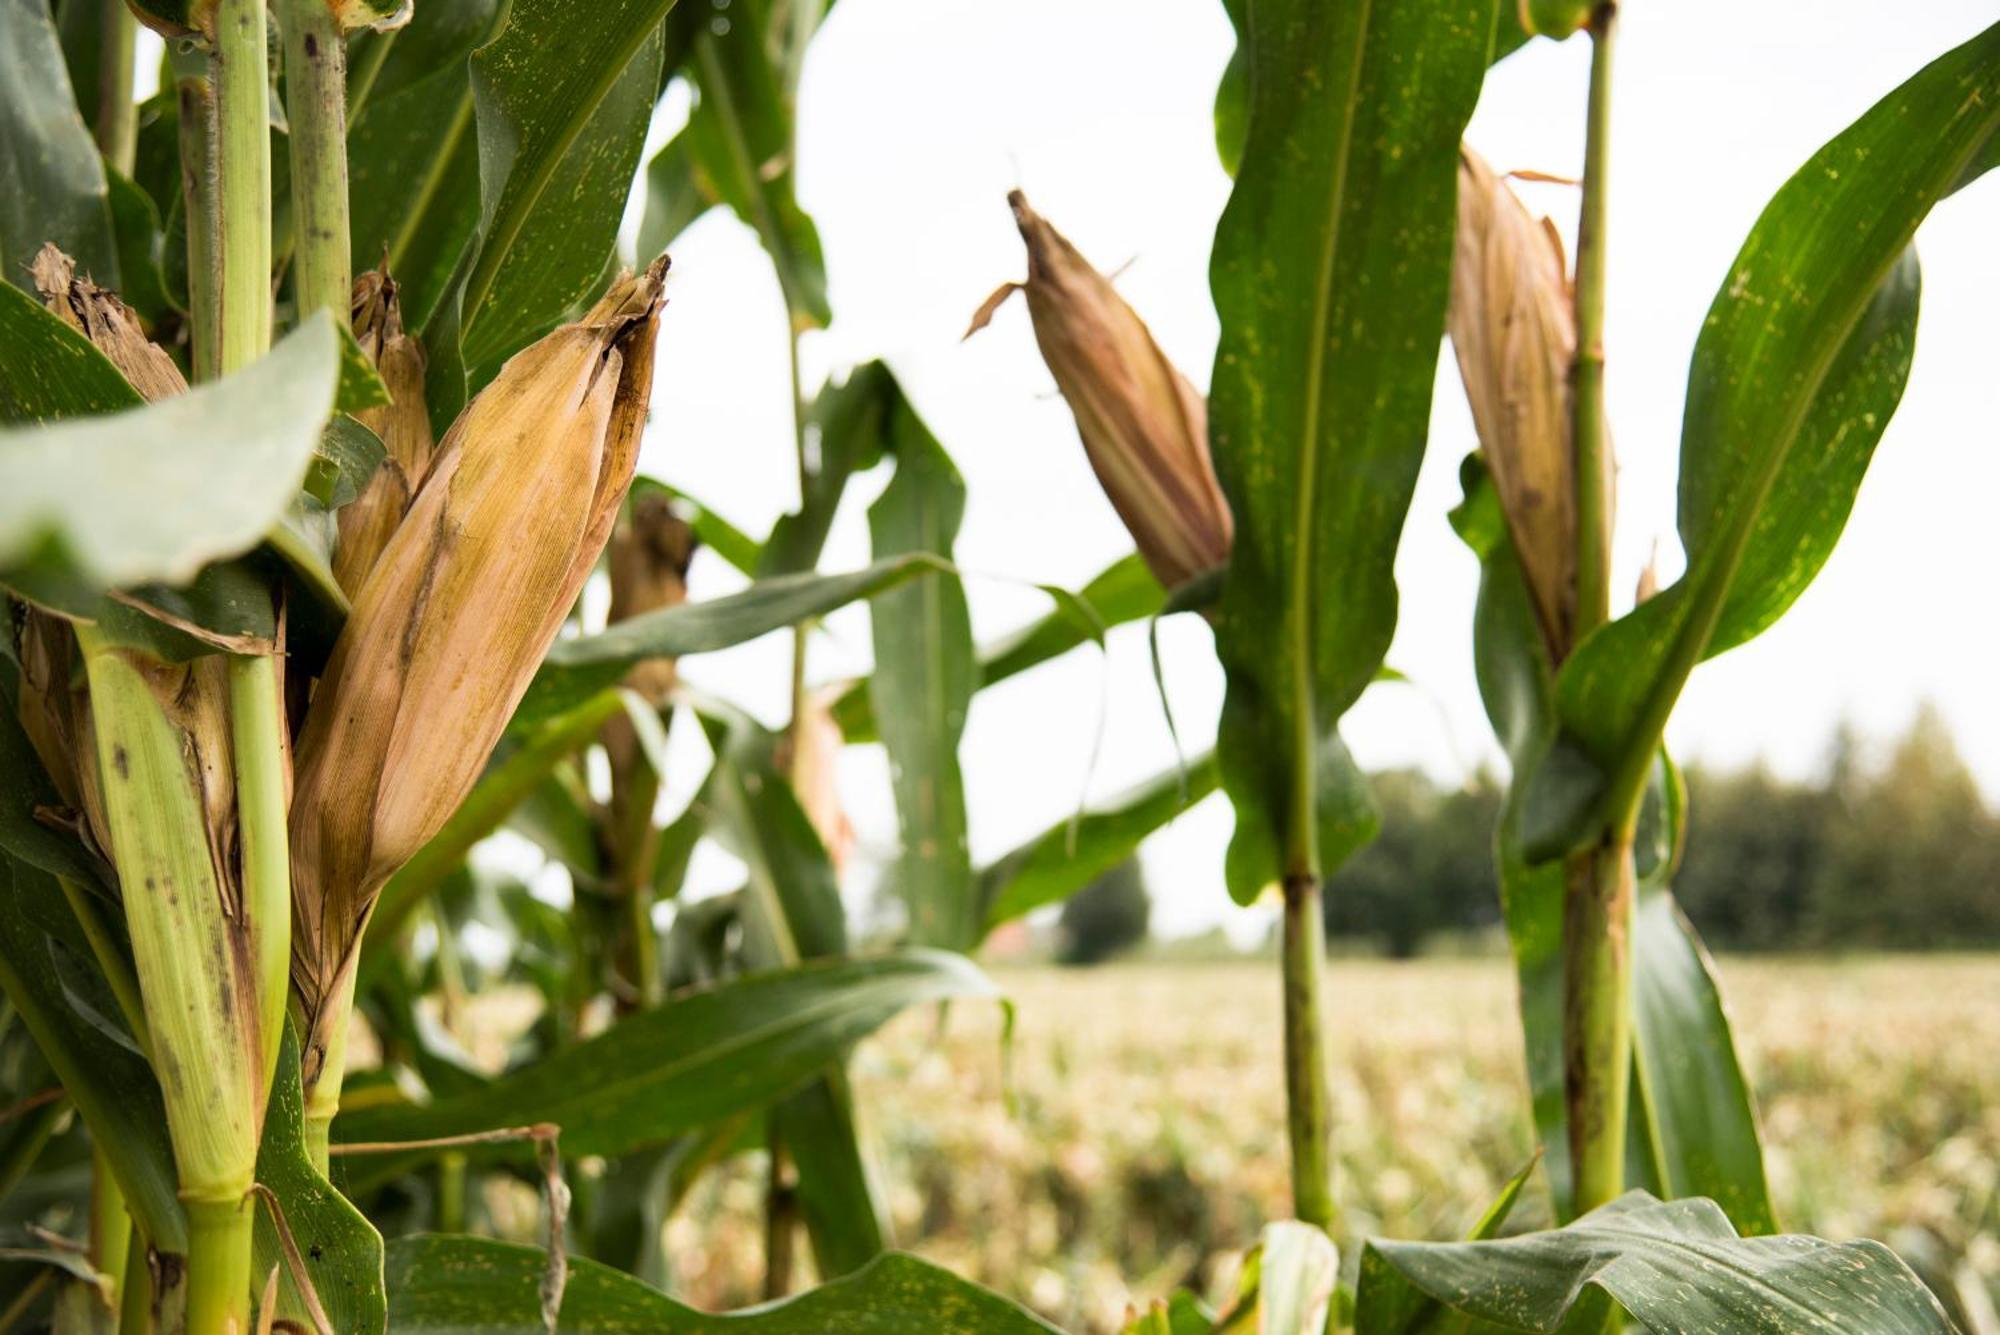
[[1900, 852]]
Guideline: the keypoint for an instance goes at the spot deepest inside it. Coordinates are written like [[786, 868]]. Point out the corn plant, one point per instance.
[[298, 564]]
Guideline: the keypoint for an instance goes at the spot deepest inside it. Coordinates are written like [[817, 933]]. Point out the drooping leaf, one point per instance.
[[1330, 273], [578, 667], [1070, 855], [1678, 1268], [341, 1249], [923, 683], [1798, 368], [156, 492], [697, 1057], [46, 972], [52, 185], [474, 1286], [1124, 591]]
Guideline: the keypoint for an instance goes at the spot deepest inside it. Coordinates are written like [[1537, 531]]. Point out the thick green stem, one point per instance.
[[256, 722], [198, 195], [1597, 1017], [1308, 1108], [117, 114], [242, 74], [316, 110], [1598, 894], [218, 1289], [1594, 469]]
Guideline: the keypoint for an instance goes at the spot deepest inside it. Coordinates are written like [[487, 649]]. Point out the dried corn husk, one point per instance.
[[1513, 328], [452, 622], [404, 426], [107, 322], [1144, 426]]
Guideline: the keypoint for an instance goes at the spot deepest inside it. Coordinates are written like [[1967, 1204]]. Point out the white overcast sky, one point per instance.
[[917, 116]]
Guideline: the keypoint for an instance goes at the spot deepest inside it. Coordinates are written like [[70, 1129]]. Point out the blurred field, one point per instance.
[[1145, 1142]]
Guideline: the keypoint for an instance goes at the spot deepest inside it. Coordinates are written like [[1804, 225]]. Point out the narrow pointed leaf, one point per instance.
[[1070, 855], [1799, 366], [576, 668], [792, 905], [1330, 273], [698, 1057], [1124, 591], [923, 684]]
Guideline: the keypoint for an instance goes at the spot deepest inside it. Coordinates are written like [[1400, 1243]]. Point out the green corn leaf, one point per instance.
[[55, 189], [792, 907], [1693, 1103], [1232, 93], [1330, 273], [923, 684], [1677, 1267], [697, 1058], [1799, 366], [1386, 1303], [576, 668], [1124, 591], [49, 371], [341, 1249], [46, 972], [678, 191], [158, 491], [740, 138], [855, 419], [1069, 856], [413, 151], [561, 97], [792, 911], [475, 1286], [560, 100]]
